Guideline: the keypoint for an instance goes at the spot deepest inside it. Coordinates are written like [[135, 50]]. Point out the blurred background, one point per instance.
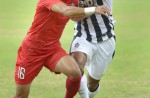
[[128, 75]]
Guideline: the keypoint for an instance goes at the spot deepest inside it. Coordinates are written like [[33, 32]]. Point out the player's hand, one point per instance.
[[102, 10]]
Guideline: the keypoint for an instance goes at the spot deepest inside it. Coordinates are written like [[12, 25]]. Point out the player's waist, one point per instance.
[[95, 38]]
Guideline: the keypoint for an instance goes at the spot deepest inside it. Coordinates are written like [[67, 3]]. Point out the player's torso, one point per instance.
[[96, 25], [88, 3], [47, 27], [98, 18]]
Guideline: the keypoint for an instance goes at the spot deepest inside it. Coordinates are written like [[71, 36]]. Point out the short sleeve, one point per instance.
[[75, 2], [48, 3]]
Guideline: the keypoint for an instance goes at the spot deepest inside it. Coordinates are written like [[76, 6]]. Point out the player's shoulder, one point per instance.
[[45, 2]]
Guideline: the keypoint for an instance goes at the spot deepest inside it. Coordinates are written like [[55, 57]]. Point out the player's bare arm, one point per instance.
[[68, 11], [71, 11], [104, 11], [78, 18]]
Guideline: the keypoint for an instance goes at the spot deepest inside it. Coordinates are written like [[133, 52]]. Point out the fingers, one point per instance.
[[103, 10]]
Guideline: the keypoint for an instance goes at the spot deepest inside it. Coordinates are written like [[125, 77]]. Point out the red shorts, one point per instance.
[[30, 62]]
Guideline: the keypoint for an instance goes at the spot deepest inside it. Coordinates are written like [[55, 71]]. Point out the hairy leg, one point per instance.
[[81, 59], [69, 67], [93, 86], [22, 91]]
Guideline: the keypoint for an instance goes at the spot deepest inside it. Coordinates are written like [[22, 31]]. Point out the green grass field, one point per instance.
[[128, 75]]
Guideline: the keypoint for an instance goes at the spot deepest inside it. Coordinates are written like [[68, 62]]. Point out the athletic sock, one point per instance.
[[72, 86], [92, 94], [83, 91]]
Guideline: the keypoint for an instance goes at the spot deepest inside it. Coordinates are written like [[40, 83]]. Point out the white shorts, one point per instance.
[[99, 55]]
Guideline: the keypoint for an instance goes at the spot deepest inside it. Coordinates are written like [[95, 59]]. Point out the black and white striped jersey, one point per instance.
[[95, 28]]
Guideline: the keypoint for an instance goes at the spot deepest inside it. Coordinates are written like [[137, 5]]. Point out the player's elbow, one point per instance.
[[68, 13]]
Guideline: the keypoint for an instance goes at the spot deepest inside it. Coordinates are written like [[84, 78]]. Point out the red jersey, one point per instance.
[[47, 26]]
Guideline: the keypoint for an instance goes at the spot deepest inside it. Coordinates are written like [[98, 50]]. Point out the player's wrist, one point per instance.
[[89, 10]]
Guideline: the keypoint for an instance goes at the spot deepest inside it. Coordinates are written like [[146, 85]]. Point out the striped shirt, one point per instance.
[[96, 28]]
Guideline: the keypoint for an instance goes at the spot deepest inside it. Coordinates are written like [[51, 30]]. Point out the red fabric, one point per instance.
[[48, 3], [72, 86], [47, 26], [30, 62], [75, 2], [41, 45]]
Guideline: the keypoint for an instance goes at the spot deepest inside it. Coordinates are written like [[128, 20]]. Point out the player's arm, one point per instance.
[[78, 18], [71, 11]]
